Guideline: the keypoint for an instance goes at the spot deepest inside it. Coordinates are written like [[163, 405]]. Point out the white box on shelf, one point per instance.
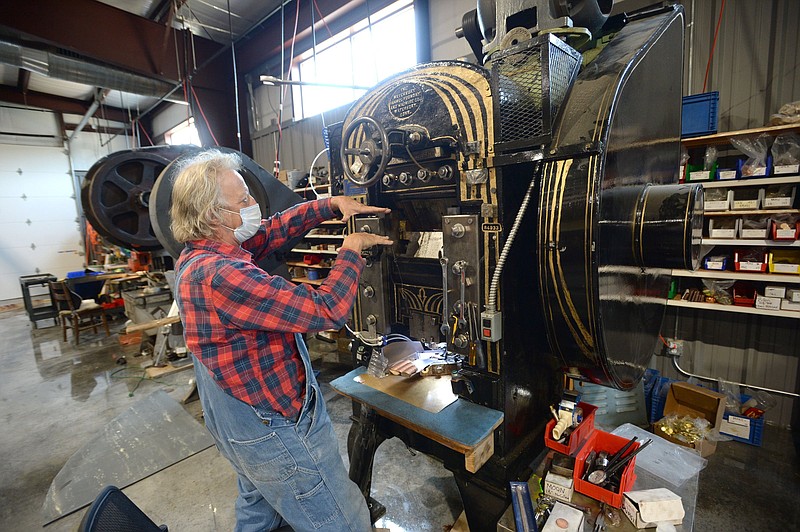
[[743, 199], [725, 231], [768, 303], [775, 197], [790, 305], [754, 232], [784, 169], [717, 199], [793, 295], [775, 291]]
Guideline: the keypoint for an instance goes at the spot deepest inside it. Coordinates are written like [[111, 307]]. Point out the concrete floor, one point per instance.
[[54, 398]]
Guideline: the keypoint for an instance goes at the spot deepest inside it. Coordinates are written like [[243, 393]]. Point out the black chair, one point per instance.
[[113, 511]]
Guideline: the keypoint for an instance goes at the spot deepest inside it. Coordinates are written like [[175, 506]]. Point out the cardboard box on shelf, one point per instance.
[[723, 227], [684, 399], [768, 303], [793, 295], [784, 169], [790, 305], [717, 199], [646, 508], [775, 291]]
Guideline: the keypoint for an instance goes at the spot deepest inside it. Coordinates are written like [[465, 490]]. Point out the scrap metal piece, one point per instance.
[[151, 435]]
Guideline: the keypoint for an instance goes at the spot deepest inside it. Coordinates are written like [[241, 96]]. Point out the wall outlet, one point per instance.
[[673, 348]]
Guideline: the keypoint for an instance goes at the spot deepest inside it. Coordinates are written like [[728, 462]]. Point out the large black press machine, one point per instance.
[[535, 214]]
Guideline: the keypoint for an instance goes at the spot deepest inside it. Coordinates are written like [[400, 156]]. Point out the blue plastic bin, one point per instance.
[[756, 427], [699, 114]]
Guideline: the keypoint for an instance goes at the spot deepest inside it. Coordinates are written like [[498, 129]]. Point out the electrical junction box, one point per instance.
[[491, 325]]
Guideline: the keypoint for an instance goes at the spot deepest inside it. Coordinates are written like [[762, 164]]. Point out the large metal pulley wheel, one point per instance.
[[268, 192], [127, 197], [372, 154], [116, 194]]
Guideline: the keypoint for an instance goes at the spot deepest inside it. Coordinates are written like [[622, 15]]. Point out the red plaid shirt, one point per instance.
[[240, 321]]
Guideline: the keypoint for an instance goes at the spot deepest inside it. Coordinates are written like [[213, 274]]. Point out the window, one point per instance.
[[360, 56], [184, 133]]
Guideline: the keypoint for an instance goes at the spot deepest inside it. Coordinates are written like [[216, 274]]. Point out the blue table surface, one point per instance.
[[462, 423]]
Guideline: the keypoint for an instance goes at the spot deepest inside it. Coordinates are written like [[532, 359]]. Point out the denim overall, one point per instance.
[[289, 471]]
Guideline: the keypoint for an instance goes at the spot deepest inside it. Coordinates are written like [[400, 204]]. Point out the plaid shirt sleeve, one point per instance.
[[281, 227], [248, 298]]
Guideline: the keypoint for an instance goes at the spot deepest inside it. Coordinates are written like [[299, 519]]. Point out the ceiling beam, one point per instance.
[[56, 103], [106, 34], [99, 129]]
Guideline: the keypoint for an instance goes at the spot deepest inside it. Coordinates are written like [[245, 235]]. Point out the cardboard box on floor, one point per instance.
[[685, 399]]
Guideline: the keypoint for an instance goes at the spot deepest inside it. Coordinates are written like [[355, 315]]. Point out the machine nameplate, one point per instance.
[[489, 227], [405, 100]]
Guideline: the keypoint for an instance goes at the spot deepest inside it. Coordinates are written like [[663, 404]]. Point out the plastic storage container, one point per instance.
[[699, 114], [744, 294], [579, 435], [603, 441], [738, 426], [717, 199]]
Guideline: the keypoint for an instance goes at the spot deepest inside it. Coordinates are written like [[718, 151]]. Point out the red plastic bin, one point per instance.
[[603, 441], [785, 235], [578, 436]]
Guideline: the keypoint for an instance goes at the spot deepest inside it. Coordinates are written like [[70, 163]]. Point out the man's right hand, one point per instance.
[[361, 241]]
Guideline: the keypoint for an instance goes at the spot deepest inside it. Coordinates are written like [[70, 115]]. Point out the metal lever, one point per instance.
[[445, 328]]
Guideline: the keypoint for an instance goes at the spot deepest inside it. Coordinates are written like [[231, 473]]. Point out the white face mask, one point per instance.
[[251, 221]]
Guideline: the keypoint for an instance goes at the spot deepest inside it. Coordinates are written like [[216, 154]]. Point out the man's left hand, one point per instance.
[[348, 207]]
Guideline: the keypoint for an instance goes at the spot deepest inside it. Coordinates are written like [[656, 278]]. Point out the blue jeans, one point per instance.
[[289, 472]]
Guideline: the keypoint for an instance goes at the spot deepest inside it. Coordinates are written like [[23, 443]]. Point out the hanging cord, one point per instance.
[[314, 55], [285, 87], [491, 303], [322, 18], [130, 122], [311, 169], [145, 133], [714, 44], [203, 114], [362, 339], [235, 77]]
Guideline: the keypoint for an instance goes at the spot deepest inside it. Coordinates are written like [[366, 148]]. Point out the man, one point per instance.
[[260, 399]]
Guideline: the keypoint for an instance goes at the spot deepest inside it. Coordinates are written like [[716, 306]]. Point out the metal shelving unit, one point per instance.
[[721, 139], [739, 276], [733, 308]]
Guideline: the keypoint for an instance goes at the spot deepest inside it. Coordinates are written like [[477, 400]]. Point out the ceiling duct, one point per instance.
[[80, 71]]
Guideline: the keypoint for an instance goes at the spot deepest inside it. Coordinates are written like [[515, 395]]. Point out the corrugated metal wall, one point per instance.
[[755, 63], [302, 141], [755, 69], [763, 351]]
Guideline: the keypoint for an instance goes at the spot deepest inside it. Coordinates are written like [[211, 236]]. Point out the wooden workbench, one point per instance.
[[462, 426]]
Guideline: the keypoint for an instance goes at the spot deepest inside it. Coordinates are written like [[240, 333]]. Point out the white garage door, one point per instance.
[[38, 228]]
